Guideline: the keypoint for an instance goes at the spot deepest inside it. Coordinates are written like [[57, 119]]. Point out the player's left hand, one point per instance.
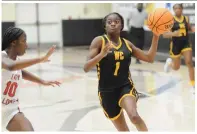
[[51, 83]]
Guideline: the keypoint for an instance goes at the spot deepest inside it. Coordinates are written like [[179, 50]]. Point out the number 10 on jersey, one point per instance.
[[10, 89]]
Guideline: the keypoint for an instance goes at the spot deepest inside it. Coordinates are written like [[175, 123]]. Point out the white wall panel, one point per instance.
[[31, 31], [8, 12], [49, 13], [25, 13], [49, 33]]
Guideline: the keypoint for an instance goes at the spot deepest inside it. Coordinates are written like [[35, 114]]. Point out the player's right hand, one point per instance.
[[49, 53], [51, 83], [106, 49]]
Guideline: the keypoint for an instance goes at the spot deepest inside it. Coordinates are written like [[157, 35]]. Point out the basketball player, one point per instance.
[[112, 56], [180, 44], [14, 44]]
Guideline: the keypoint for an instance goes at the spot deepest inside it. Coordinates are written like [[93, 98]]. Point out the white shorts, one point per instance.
[[7, 115]]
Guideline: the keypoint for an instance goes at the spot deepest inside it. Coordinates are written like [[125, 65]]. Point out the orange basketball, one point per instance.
[[160, 21]]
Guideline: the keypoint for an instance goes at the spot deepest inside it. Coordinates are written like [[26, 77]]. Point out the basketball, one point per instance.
[[160, 21]]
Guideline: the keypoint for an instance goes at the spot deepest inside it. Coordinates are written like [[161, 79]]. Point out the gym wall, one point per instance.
[[8, 16], [72, 24]]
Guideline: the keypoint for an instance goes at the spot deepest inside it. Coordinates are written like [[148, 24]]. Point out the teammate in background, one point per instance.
[[111, 54], [180, 44], [14, 45]]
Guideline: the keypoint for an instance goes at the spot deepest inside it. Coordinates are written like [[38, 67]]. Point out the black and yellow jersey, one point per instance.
[[113, 70], [181, 25]]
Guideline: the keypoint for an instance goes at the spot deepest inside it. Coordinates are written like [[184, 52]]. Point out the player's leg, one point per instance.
[[187, 53], [109, 103], [175, 60], [129, 103], [174, 63], [120, 123], [19, 123]]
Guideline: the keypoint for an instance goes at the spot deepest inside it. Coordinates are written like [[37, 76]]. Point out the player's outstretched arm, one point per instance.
[[30, 77], [21, 64], [150, 55]]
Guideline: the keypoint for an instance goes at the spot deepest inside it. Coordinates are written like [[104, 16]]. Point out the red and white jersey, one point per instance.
[[11, 81]]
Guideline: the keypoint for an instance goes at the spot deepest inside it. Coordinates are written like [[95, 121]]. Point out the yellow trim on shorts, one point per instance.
[[171, 53], [116, 47], [114, 118], [130, 94], [103, 43], [175, 56], [186, 49], [178, 55], [130, 49], [117, 116]]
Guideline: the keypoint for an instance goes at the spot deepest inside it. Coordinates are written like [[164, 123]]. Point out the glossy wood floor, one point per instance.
[[166, 103]]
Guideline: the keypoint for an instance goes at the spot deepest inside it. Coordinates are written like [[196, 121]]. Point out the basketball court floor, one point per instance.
[[166, 103]]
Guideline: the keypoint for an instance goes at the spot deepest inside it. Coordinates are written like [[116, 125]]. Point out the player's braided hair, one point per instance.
[[121, 18], [11, 34]]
